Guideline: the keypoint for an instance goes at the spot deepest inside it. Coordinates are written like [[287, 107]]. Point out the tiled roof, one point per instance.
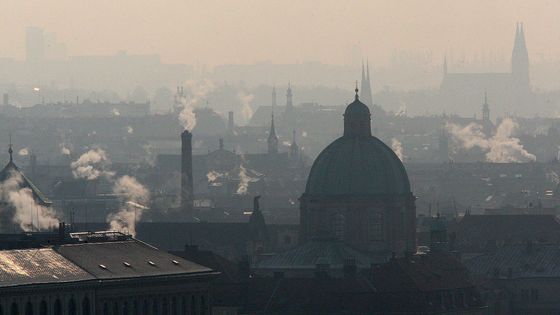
[[518, 261], [37, 266], [126, 259]]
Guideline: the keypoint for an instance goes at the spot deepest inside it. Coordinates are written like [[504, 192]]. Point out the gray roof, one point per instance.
[[127, 259], [11, 169], [308, 255], [37, 266], [518, 261]]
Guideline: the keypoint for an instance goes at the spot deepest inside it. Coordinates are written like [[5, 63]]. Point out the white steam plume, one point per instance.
[[116, 112], [196, 92], [212, 176], [396, 145], [502, 147], [129, 130], [23, 209], [91, 165], [243, 181], [64, 150], [23, 152], [135, 198], [246, 109]]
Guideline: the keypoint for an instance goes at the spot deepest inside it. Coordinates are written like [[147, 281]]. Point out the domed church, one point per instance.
[[358, 192]]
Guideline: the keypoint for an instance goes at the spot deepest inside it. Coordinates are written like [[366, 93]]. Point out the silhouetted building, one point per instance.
[[358, 191], [366, 96]]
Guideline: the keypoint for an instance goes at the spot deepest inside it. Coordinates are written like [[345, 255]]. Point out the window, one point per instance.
[[376, 225], [72, 307], [85, 306], [57, 307], [28, 308], [43, 308], [338, 225]]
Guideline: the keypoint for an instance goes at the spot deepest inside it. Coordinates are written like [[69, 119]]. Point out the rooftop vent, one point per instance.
[[126, 264], [175, 262], [103, 267], [151, 263]]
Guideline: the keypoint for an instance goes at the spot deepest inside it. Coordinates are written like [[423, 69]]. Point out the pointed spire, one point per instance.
[[363, 71], [367, 69], [356, 90], [11, 150]]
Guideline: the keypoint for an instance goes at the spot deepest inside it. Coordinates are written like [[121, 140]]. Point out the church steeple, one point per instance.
[[485, 109], [520, 61], [294, 148], [366, 94], [289, 100], [272, 138]]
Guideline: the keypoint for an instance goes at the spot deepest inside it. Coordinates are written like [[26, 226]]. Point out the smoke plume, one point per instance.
[[129, 130], [64, 150], [396, 145], [23, 152], [23, 209], [134, 197], [246, 109], [196, 92], [91, 165], [502, 147]]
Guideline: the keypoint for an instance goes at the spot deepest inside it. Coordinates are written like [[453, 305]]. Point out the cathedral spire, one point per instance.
[[365, 90], [289, 101]]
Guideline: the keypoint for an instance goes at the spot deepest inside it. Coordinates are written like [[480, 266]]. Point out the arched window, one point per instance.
[[85, 306], [174, 306], [338, 225], [155, 307], [28, 308], [202, 305], [14, 309], [164, 307], [193, 305], [72, 307], [145, 308], [184, 308], [57, 310], [43, 308]]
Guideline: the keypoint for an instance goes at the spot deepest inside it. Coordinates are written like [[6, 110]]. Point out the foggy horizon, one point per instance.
[[291, 32]]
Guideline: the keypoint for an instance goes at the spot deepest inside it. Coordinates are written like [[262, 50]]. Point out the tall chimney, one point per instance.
[[231, 123], [186, 171]]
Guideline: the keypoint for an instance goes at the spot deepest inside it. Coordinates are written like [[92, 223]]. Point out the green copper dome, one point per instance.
[[357, 163]]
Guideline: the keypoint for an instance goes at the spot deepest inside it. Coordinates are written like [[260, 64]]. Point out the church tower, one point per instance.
[[485, 109], [366, 95], [272, 138], [520, 62]]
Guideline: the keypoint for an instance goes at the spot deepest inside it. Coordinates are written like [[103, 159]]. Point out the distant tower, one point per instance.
[[273, 96], [366, 95], [186, 171], [520, 62], [485, 109], [294, 148], [443, 145], [272, 138], [289, 100]]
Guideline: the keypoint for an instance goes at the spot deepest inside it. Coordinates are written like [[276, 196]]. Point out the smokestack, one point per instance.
[[231, 123], [186, 171]]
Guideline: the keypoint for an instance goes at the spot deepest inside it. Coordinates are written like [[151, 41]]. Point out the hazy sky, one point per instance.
[[238, 31]]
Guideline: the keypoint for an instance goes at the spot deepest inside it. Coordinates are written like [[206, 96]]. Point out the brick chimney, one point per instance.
[[186, 171]]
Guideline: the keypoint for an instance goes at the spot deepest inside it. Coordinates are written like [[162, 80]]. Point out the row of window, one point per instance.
[[193, 305], [43, 309]]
